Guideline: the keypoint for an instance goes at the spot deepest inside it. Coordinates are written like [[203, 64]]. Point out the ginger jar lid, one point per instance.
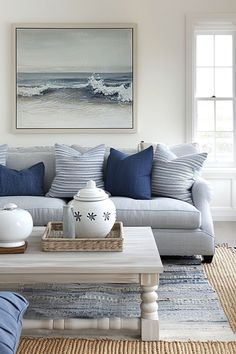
[[91, 193], [9, 207]]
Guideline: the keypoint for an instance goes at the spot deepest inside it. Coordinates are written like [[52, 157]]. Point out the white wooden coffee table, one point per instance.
[[138, 263]]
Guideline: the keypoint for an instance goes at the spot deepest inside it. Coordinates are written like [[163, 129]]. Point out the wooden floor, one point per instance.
[[185, 332], [225, 232]]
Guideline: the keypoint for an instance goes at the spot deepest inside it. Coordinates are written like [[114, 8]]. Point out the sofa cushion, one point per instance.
[[158, 213], [185, 149], [24, 182], [42, 209], [74, 169], [174, 176], [178, 150], [12, 309], [3, 154], [129, 175]]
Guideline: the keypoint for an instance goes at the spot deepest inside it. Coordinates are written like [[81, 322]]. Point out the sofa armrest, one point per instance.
[[201, 195]]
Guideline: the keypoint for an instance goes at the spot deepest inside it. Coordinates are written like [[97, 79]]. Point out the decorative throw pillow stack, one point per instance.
[[142, 175], [137, 176]]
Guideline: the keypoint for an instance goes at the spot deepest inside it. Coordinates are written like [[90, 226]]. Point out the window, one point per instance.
[[211, 80]]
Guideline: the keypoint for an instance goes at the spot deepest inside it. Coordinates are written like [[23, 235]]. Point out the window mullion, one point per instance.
[[214, 67], [234, 96], [214, 94], [215, 129]]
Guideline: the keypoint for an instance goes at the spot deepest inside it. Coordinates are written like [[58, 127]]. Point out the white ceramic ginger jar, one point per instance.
[[94, 212], [15, 226]]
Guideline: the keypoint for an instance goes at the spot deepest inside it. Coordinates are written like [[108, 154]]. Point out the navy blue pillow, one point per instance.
[[129, 175], [12, 309], [25, 182]]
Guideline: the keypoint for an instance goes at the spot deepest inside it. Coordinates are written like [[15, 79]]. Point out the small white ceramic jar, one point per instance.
[[15, 226], [94, 212]]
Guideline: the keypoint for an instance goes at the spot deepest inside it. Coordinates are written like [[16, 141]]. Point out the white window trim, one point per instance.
[[195, 22]]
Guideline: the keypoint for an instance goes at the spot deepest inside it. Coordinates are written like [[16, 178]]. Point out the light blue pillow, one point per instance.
[[12, 309], [173, 177], [28, 181], [3, 154], [129, 175], [74, 169]]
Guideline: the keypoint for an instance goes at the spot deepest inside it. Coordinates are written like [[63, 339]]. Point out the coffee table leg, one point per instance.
[[149, 307]]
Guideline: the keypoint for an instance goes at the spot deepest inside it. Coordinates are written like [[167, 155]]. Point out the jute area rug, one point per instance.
[[221, 274], [83, 346]]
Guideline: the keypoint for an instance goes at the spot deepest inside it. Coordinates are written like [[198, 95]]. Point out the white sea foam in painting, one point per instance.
[[83, 100], [123, 94], [28, 91]]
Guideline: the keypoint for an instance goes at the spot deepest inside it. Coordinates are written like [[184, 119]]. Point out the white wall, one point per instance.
[[160, 61]]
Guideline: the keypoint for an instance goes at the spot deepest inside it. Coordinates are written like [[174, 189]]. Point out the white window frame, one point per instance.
[[222, 23]]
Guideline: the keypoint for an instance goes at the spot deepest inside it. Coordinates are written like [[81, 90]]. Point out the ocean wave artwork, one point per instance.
[[82, 97], [74, 78]]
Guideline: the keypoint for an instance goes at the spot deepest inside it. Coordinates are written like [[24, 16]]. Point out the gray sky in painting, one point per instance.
[[74, 50]]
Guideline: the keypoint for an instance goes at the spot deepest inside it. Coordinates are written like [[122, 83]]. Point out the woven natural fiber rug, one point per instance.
[[222, 275], [84, 346]]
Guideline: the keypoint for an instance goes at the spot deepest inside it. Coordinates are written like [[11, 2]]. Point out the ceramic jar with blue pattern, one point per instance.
[[94, 212]]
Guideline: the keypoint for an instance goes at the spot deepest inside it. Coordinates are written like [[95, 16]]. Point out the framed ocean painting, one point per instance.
[[74, 78]]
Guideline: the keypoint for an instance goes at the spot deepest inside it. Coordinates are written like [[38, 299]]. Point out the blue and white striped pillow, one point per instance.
[[74, 169], [173, 177], [12, 309], [3, 154]]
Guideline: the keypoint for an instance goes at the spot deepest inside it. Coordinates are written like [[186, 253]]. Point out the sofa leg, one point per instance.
[[207, 259]]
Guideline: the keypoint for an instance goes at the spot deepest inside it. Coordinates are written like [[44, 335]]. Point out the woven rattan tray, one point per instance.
[[53, 240]]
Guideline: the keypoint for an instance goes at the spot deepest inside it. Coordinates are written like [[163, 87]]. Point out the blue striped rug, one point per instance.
[[184, 295]]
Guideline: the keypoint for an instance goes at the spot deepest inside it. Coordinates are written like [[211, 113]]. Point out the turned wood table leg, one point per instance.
[[149, 307]]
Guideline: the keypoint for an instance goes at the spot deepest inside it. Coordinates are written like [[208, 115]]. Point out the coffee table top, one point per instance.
[[140, 255]]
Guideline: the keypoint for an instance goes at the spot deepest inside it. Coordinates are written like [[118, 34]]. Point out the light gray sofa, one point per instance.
[[180, 229]]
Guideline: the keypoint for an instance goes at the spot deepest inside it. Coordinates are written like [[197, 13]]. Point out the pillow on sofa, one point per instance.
[[3, 154], [174, 176], [129, 175], [12, 309], [74, 169], [25, 182]]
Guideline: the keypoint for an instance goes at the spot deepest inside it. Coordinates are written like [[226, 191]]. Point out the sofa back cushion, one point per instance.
[[179, 149]]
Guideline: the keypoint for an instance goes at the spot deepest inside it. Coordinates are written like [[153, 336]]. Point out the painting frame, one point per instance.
[[129, 107]]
